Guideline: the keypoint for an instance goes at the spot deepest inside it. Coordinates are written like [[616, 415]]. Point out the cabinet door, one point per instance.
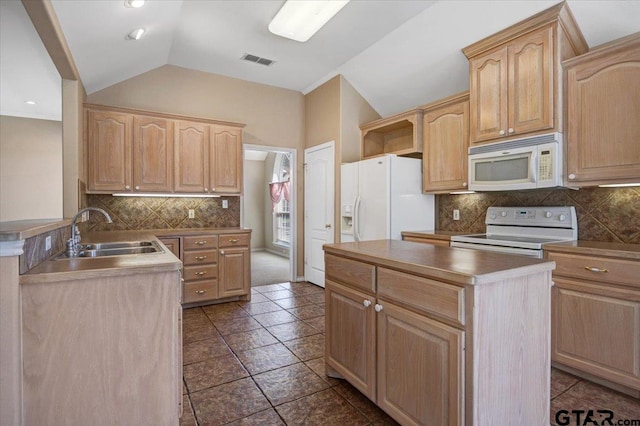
[[234, 272], [446, 139], [531, 83], [173, 244], [152, 154], [225, 163], [420, 368], [109, 151], [191, 156], [350, 336], [596, 329], [603, 134], [488, 96]]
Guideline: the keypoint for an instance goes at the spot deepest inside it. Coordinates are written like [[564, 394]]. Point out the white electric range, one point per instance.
[[522, 230]]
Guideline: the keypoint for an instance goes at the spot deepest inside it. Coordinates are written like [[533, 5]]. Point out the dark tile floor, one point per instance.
[[261, 363]]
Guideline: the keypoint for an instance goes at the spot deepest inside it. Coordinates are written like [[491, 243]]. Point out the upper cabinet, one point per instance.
[[516, 77], [134, 151], [400, 135], [446, 139], [603, 106]]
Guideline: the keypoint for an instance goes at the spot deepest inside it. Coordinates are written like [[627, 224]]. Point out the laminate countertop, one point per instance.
[[23, 229], [457, 265], [433, 234], [596, 248]]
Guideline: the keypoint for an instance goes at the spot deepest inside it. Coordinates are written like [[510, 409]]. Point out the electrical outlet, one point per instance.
[[192, 214], [225, 204], [456, 214], [47, 243], [85, 216]]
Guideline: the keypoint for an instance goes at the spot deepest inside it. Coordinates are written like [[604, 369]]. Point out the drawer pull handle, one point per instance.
[[594, 269], [201, 243], [201, 257], [201, 273], [234, 240], [201, 291], [366, 303]]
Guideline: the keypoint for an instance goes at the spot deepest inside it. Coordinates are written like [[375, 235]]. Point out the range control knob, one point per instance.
[[493, 216], [503, 214], [548, 214], [562, 217]]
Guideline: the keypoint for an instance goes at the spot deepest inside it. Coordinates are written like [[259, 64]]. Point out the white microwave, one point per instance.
[[527, 163]]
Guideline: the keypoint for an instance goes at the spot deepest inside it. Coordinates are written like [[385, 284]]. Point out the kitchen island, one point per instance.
[[101, 339], [439, 335]]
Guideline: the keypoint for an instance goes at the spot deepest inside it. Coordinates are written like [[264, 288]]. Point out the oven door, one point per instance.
[[509, 250], [503, 170]]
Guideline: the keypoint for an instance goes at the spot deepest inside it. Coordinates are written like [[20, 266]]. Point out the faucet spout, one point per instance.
[[73, 243]]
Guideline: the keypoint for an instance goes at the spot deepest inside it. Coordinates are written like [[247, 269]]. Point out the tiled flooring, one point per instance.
[[261, 363]]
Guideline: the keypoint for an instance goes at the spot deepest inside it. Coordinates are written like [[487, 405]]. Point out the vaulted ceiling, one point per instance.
[[397, 54]]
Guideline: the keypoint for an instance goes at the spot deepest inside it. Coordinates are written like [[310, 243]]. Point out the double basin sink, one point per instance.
[[118, 248]]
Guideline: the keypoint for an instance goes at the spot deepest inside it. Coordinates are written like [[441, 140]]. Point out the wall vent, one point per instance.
[[257, 59]]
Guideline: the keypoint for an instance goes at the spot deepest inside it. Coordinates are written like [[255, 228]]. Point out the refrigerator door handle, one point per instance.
[[356, 221]]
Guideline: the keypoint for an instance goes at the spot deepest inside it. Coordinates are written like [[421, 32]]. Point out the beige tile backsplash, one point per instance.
[[604, 214]]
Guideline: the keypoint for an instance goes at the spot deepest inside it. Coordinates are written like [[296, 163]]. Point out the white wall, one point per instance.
[[254, 187], [30, 169]]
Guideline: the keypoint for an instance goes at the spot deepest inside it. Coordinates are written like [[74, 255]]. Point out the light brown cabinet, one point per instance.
[[400, 134], [515, 76], [200, 272], [109, 151], [603, 134], [596, 316], [150, 152], [173, 244], [235, 270], [446, 140]]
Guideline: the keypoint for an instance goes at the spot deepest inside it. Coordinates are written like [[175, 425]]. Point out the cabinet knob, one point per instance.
[[201, 291], [501, 132], [127, 187], [137, 187], [206, 189], [572, 176], [464, 184], [378, 307], [221, 251], [366, 303], [595, 269], [511, 130], [201, 257], [201, 273], [213, 190]]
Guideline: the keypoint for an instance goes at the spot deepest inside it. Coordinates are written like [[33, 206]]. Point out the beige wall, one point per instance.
[[72, 144], [254, 189], [30, 169], [322, 114], [354, 111], [274, 116]]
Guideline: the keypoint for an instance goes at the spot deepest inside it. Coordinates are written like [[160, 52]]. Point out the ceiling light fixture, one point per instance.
[[299, 20], [134, 3], [30, 102], [135, 34]]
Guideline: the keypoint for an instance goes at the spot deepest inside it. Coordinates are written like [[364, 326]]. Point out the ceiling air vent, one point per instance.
[[257, 59]]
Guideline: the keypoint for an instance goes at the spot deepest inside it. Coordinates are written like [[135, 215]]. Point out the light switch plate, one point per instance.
[[192, 214], [225, 204], [456, 214], [47, 243]]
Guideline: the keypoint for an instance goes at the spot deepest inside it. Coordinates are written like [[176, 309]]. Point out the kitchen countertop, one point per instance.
[[435, 234], [461, 266], [23, 229], [596, 248], [86, 268]]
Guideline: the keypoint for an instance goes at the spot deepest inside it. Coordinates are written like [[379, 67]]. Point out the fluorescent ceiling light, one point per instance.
[[134, 3], [619, 185], [135, 34], [30, 102], [155, 194], [301, 19]]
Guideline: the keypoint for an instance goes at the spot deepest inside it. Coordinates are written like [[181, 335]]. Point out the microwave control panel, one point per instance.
[[545, 165]]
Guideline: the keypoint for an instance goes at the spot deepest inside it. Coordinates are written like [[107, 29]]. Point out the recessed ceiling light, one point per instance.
[[135, 34], [30, 102], [134, 3], [299, 20]]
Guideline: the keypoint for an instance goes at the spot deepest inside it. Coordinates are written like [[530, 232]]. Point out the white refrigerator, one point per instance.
[[381, 197]]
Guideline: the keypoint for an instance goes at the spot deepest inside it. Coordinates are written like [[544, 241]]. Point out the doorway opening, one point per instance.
[[268, 208]]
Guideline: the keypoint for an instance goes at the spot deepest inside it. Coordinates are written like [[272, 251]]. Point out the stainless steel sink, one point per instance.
[[119, 248]]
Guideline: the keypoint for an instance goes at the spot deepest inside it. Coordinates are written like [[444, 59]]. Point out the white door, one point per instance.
[[318, 209]]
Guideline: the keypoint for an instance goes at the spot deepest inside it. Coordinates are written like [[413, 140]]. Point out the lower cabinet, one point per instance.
[[234, 272]]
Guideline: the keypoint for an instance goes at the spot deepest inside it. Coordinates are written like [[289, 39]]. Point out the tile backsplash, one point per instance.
[[135, 213], [34, 252], [604, 214]]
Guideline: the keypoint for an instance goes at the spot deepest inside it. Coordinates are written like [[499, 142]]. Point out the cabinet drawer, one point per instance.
[[425, 295], [200, 257], [351, 272], [618, 271], [198, 242], [200, 272], [233, 240], [199, 291]]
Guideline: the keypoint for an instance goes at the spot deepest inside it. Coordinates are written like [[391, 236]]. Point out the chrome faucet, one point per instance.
[[73, 243]]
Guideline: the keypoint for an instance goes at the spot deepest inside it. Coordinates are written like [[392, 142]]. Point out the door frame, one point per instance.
[[332, 145], [293, 248]]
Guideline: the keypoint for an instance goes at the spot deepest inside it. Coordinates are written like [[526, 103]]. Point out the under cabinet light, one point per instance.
[[135, 34], [619, 185], [134, 3], [299, 20], [462, 192], [30, 102], [155, 194]]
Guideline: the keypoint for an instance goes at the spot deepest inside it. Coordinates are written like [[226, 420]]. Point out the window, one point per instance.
[[281, 209]]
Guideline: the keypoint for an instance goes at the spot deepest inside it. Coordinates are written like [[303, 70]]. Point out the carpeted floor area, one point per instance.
[[268, 268]]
